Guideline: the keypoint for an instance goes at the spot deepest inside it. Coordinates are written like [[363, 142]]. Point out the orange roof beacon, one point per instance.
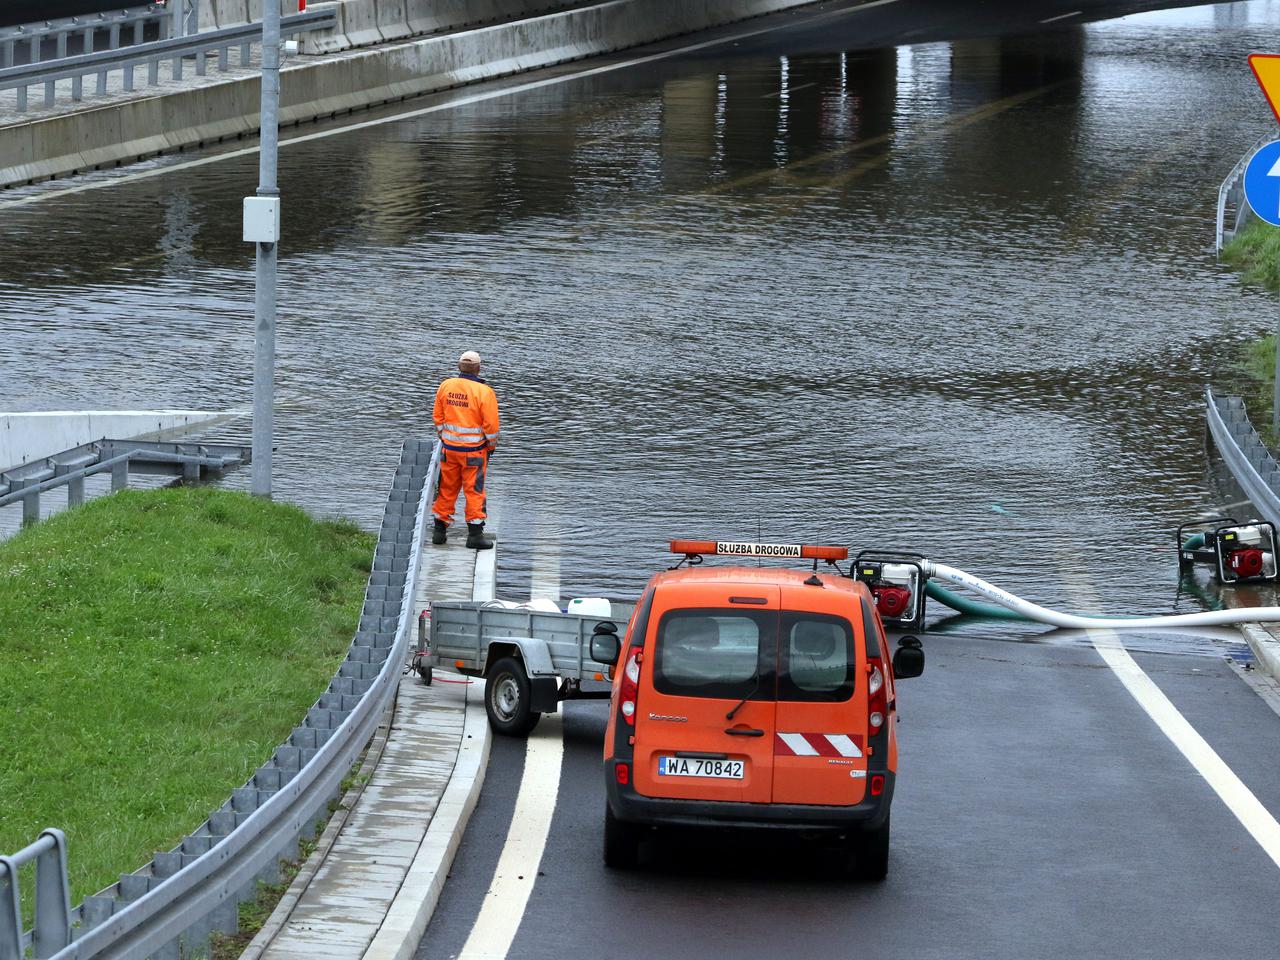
[[754, 697]]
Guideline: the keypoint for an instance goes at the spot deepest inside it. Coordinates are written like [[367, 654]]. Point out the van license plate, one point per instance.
[[698, 767]]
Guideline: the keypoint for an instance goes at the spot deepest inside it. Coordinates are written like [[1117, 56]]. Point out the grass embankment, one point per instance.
[[1258, 364], [1255, 252], [154, 648]]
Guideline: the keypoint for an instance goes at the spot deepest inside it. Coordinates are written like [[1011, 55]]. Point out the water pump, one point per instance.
[[1239, 552], [897, 583]]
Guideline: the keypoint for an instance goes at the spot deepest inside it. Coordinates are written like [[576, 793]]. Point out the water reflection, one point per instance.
[[867, 297]]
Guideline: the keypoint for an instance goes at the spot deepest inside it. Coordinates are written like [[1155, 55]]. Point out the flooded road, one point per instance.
[[958, 297]]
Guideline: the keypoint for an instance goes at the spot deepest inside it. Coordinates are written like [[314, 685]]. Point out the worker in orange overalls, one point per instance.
[[466, 417]]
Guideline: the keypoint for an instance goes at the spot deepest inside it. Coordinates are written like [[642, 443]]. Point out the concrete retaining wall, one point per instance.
[[127, 131], [31, 436]]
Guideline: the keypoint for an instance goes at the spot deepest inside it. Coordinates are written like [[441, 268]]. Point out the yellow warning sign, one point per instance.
[[1266, 69]]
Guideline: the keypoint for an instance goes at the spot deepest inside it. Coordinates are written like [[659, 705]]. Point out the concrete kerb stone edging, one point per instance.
[[1265, 647], [406, 921], [116, 133], [284, 909]]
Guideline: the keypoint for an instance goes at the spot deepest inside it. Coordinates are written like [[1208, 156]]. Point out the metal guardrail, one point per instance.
[[120, 26], [150, 55], [1244, 453], [1233, 209], [168, 908], [24, 484], [53, 904]]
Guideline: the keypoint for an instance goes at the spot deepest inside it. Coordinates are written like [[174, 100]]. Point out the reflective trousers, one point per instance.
[[461, 471]]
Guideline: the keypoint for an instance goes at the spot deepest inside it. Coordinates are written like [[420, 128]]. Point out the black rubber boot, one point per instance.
[[476, 540], [439, 532]]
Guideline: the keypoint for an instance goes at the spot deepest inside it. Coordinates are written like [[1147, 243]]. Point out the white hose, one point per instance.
[[1044, 615]]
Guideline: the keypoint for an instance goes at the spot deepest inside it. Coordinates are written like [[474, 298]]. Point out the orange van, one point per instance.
[[753, 697]]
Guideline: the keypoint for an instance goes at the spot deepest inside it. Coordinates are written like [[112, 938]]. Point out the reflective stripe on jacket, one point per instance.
[[466, 413]]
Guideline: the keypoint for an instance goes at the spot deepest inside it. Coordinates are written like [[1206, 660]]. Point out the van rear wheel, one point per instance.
[[621, 842], [868, 853], [506, 699]]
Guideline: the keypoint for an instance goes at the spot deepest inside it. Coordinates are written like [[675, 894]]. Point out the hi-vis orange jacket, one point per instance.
[[466, 413]]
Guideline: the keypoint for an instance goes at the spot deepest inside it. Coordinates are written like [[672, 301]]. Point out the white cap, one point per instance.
[[469, 357]]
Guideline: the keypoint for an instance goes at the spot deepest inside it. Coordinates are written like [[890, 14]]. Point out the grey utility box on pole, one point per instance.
[[262, 227]]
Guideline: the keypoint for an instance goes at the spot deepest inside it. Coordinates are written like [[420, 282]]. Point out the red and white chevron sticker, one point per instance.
[[817, 745]]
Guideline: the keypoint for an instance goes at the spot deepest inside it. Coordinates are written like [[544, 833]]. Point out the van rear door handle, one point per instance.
[[745, 732]]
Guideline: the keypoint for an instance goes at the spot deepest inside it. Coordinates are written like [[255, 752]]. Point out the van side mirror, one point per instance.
[[908, 660], [605, 645]]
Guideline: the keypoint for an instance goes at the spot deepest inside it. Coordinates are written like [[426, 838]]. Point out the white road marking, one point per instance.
[[1240, 800], [1062, 16], [435, 108], [517, 871]]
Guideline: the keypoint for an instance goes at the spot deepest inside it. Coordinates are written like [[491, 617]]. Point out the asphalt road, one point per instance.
[[1040, 812]]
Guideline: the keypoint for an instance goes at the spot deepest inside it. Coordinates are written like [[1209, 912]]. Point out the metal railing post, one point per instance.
[[10, 911], [53, 897], [120, 476], [31, 509]]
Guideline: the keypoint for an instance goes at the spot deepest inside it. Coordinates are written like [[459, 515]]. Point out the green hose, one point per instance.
[[991, 611], [974, 608], [1194, 542]]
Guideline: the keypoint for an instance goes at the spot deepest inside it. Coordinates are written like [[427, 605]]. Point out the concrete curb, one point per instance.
[[485, 584], [411, 911], [1265, 647]]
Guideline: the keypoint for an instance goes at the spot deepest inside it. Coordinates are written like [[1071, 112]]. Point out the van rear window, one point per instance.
[[712, 653], [817, 658]]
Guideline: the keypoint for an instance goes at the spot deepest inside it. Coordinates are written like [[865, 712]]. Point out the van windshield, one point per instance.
[[711, 653]]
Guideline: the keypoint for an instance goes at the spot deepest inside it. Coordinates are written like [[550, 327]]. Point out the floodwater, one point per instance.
[[953, 297]]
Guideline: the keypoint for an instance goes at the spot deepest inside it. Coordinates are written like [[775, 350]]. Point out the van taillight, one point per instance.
[[877, 784], [622, 773], [877, 697], [629, 692]]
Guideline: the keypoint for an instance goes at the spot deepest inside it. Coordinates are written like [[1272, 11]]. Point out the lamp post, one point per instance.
[[262, 228]]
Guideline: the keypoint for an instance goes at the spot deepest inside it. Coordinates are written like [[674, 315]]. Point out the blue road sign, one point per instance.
[[1262, 183]]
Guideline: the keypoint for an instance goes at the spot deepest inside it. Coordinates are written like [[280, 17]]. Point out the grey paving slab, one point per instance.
[[343, 906]]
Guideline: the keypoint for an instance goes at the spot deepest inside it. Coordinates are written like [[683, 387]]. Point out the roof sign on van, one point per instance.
[[734, 548]]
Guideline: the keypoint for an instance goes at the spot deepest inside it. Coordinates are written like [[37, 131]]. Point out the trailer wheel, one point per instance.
[[507, 699]]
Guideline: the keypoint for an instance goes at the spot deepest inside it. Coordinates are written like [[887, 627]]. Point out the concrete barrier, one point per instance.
[[360, 24], [359, 78], [32, 436], [393, 19]]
